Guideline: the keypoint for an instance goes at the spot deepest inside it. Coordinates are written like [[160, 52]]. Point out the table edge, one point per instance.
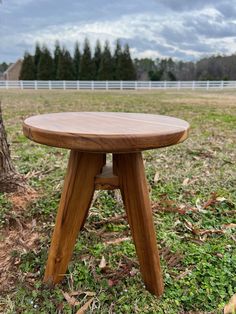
[[98, 142]]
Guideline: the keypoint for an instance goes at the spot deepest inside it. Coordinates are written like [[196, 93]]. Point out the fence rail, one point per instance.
[[117, 85]]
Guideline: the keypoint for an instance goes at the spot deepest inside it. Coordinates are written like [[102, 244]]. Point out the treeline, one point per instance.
[[210, 68], [3, 67], [103, 64], [82, 65]]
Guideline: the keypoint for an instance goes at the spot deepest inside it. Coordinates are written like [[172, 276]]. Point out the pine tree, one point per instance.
[[3, 67], [28, 69], [45, 67], [128, 72], [37, 56], [117, 62], [65, 69], [106, 67], [97, 58], [77, 57], [57, 53], [87, 67]]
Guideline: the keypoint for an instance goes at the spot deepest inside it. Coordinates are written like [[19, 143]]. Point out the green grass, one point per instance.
[[203, 277]]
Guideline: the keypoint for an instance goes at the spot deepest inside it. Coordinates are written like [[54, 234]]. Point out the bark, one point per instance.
[[10, 180]]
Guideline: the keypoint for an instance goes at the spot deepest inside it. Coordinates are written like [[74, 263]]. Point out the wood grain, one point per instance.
[[105, 131], [73, 209], [106, 180], [90, 135], [134, 191]]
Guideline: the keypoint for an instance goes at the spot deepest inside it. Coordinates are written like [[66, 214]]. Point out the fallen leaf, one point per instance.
[[197, 241], [167, 208], [116, 219], [229, 212], [71, 300], [117, 241], [201, 232], [189, 225], [209, 231], [230, 308], [228, 226], [186, 182], [102, 263], [221, 199], [211, 201], [85, 306], [185, 273], [233, 238], [90, 293], [87, 293], [198, 204], [156, 177]]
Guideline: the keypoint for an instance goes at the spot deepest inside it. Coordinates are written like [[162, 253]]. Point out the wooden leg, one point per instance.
[[134, 191], [73, 209]]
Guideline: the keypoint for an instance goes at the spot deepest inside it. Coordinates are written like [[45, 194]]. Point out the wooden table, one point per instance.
[[89, 136]]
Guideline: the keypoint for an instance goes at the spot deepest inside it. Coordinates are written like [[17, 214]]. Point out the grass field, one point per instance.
[[194, 200]]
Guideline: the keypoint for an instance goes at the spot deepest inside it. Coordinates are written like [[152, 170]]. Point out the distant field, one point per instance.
[[194, 199]]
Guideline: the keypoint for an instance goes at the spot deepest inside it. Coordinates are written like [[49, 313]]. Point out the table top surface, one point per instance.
[[105, 131]]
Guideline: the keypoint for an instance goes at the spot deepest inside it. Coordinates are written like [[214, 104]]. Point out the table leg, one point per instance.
[[73, 209], [134, 191]]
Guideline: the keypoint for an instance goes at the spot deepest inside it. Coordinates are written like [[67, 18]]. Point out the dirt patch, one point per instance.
[[20, 200], [19, 236]]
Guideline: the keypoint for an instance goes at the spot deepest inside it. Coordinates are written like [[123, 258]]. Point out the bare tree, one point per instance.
[[10, 180]]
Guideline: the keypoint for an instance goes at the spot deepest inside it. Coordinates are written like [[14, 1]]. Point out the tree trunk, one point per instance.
[[10, 180]]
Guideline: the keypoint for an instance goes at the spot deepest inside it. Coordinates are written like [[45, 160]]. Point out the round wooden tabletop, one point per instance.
[[105, 131]]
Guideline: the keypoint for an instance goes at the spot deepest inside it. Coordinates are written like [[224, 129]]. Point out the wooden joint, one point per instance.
[[106, 180]]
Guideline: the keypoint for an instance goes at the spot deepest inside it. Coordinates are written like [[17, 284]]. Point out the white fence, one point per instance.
[[116, 85]]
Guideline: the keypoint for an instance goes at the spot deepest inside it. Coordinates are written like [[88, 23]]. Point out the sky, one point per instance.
[[181, 29]]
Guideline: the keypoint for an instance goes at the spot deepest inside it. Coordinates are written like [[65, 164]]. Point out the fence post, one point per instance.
[[165, 85], [21, 85], [150, 85], [222, 85], [50, 85], [136, 85], [92, 85], [193, 85], [78, 85], [121, 85], [106, 85], [35, 84], [64, 85], [7, 84], [179, 84]]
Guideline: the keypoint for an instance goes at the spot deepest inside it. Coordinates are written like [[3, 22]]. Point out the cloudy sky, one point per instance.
[[183, 29]]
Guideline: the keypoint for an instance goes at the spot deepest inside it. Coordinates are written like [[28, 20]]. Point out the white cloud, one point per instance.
[[146, 53], [188, 35], [125, 27], [141, 26]]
